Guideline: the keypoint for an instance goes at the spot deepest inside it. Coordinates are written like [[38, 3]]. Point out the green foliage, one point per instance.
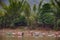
[[12, 12], [46, 7], [27, 11], [19, 19], [56, 10], [46, 18], [49, 19], [39, 6], [57, 7], [48, 13], [34, 8]]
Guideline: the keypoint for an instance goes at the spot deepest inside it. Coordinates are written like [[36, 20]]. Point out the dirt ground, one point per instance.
[[27, 35]]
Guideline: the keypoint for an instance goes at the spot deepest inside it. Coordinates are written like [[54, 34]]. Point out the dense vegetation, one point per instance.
[[20, 13]]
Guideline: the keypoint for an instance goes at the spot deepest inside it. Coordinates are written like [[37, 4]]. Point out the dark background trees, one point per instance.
[[20, 13]]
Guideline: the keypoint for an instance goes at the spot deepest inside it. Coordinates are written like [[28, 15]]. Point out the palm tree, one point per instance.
[[39, 11], [27, 11], [12, 11], [56, 10]]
